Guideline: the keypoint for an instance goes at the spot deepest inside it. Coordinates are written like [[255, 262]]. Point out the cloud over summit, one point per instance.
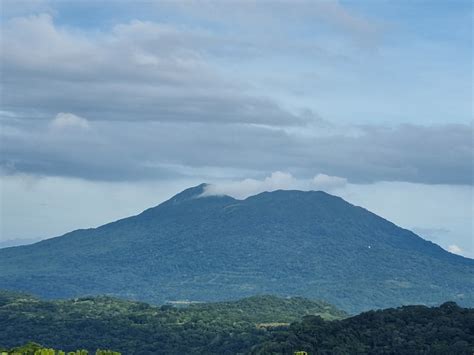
[[276, 181]]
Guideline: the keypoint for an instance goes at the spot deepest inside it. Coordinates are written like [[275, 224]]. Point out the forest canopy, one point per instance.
[[255, 325]]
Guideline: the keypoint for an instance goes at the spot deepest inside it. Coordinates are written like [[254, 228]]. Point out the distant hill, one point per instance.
[[138, 328], [256, 325], [448, 329], [16, 242], [287, 243], [32, 348]]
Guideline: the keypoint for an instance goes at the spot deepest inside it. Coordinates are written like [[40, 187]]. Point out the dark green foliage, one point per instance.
[[138, 328], [31, 348], [287, 243], [258, 325], [447, 329]]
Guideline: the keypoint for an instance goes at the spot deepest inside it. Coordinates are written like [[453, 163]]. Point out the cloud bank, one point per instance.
[[139, 71], [127, 151], [149, 100]]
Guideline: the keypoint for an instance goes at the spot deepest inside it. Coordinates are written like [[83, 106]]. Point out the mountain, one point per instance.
[[139, 328], [287, 243]]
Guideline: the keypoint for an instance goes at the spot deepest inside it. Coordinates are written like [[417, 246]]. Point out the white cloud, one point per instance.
[[453, 248], [326, 182], [276, 181], [65, 120]]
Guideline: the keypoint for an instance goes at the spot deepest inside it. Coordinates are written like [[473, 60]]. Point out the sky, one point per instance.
[[110, 107]]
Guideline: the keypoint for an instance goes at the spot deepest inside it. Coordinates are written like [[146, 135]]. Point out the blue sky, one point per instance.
[[370, 100]]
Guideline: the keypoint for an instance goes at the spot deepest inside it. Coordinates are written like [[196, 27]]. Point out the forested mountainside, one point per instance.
[[256, 325], [286, 243]]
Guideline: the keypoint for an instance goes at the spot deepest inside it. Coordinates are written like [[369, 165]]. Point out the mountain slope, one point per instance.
[[213, 248]]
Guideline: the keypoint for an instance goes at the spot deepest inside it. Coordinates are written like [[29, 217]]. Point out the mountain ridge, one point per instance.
[[214, 248]]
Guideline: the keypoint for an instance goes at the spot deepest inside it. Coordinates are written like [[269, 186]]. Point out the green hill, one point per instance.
[[32, 348], [139, 328], [286, 243], [257, 325], [409, 330]]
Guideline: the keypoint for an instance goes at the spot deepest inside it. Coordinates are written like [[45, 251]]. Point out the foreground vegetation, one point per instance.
[[448, 329], [256, 325], [37, 349], [139, 328]]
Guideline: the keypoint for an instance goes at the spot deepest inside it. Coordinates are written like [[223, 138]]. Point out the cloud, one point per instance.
[[127, 151], [177, 99], [326, 182], [455, 249], [275, 15], [14, 8], [138, 71], [276, 181], [248, 187], [69, 121]]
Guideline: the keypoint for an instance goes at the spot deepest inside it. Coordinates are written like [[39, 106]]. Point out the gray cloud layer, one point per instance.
[[131, 151], [148, 101], [139, 71]]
